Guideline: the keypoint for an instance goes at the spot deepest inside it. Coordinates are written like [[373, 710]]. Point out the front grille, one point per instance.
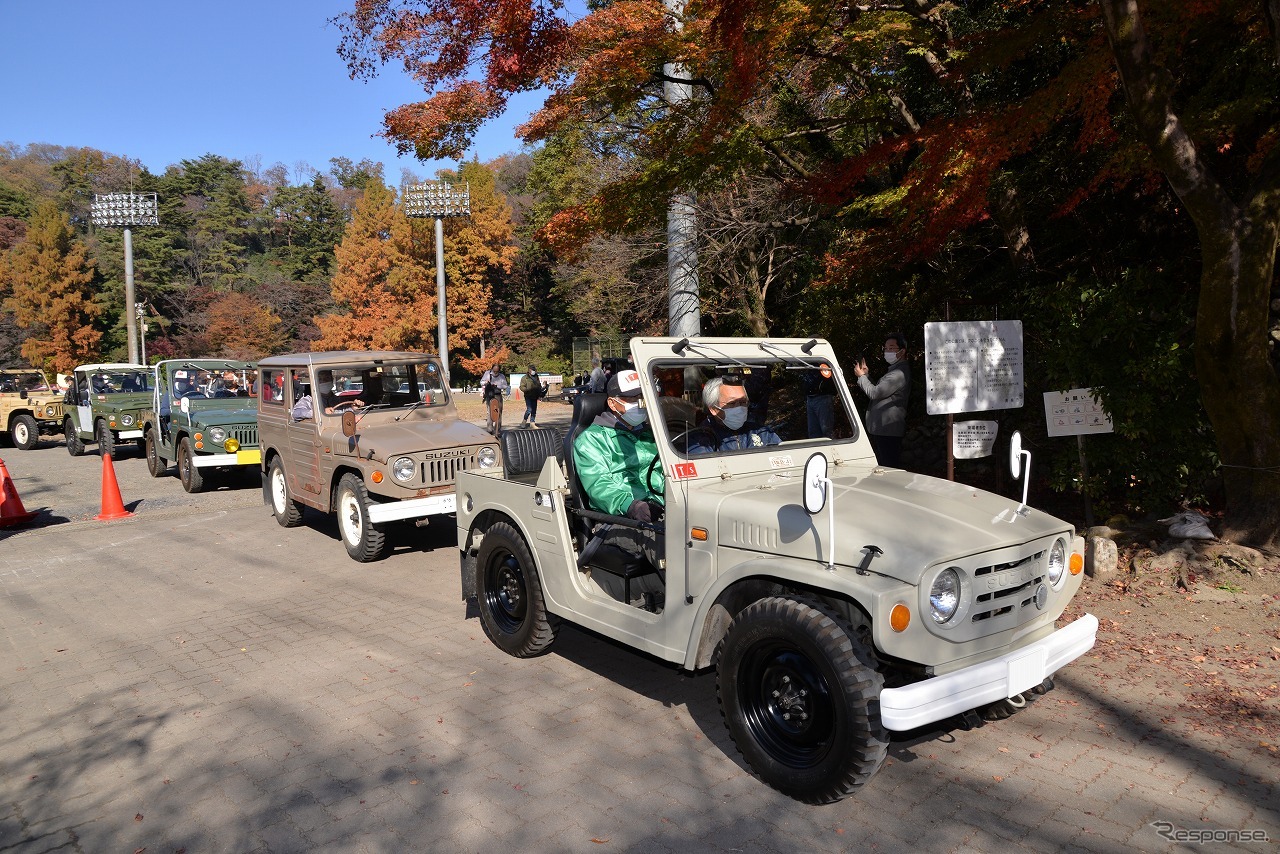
[[445, 471], [245, 434], [1010, 588]]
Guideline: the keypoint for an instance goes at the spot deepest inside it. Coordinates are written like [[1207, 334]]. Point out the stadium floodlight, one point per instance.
[[438, 201], [126, 210]]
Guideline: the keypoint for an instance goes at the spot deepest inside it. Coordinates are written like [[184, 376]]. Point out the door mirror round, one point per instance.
[[815, 484]]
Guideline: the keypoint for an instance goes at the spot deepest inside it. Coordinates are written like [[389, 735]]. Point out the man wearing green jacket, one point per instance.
[[612, 459]]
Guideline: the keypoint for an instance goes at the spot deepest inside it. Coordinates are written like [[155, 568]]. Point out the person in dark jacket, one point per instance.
[[726, 427], [887, 414]]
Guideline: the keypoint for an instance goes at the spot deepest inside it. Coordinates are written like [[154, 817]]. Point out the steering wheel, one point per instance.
[[343, 403], [648, 476]]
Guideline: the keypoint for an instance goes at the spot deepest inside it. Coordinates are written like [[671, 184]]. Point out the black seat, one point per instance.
[[587, 524], [525, 451]]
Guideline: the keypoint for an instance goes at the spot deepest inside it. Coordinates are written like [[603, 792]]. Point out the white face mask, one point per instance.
[[634, 414], [890, 356], [734, 417]]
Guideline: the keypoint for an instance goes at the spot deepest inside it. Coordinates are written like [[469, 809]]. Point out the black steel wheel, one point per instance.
[[512, 610], [188, 471], [106, 440], [287, 511], [800, 696], [25, 432], [155, 465], [75, 447]]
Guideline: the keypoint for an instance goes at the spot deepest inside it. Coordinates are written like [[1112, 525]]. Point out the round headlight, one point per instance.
[[402, 468], [944, 596], [217, 434], [488, 458], [48, 411], [126, 420], [1057, 561]]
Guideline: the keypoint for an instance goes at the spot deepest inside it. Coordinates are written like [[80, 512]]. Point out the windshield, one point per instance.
[[115, 381], [368, 384], [29, 381], [199, 381], [721, 406]]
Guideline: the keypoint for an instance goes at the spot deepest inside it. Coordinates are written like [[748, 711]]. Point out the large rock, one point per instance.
[[1101, 559]]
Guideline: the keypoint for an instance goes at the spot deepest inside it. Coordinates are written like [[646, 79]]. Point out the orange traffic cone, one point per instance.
[[112, 505], [11, 510]]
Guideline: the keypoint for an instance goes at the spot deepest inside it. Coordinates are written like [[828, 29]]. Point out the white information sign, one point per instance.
[[973, 366], [972, 440], [1075, 413]]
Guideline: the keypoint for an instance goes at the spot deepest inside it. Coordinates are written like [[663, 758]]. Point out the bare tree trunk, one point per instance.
[[1238, 386]]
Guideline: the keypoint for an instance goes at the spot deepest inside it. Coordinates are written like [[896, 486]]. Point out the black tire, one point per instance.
[[156, 466], [106, 440], [364, 541], [801, 697], [25, 432], [75, 447], [188, 472], [509, 592], [287, 511]]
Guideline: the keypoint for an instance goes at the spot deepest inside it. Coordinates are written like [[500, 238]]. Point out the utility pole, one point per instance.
[[440, 201], [684, 309]]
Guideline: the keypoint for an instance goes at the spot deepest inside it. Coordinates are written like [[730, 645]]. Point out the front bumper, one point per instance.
[[413, 508], [128, 434], [239, 458], [1000, 678]]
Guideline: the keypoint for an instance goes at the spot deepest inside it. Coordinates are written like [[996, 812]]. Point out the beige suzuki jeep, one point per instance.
[[370, 436], [29, 406], [836, 599]]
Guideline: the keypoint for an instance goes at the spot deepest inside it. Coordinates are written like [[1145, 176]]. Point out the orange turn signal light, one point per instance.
[[699, 534], [900, 617], [1077, 563], [376, 477]]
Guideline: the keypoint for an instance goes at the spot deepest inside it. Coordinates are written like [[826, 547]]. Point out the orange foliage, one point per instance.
[[47, 276]]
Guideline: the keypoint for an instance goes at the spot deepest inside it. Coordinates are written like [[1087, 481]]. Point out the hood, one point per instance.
[[917, 520], [382, 440], [122, 401], [224, 412]]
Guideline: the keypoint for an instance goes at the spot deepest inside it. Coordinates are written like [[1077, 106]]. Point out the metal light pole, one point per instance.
[[684, 307], [440, 201], [116, 210]]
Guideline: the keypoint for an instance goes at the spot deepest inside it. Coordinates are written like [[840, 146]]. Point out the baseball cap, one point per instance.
[[624, 384]]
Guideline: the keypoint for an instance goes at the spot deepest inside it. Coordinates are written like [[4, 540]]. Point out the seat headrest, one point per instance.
[[586, 407]]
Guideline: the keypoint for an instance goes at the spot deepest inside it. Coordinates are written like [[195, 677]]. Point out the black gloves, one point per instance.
[[644, 510]]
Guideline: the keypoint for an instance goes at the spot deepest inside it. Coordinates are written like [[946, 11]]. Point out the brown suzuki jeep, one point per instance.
[[29, 406], [371, 436]]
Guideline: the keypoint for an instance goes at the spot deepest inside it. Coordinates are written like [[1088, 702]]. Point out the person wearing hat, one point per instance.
[[887, 414], [612, 458], [532, 388], [726, 427]]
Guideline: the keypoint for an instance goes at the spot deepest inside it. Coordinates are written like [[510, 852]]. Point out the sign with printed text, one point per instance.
[[973, 440], [682, 471], [1075, 413], [973, 366]]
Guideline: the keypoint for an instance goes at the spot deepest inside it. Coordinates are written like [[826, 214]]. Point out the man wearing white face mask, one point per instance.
[[726, 427], [612, 459], [612, 456], [887, 415]]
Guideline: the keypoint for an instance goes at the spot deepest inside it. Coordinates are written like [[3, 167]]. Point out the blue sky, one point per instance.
[[167, 80]]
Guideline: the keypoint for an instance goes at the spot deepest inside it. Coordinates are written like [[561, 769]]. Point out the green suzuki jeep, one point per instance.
[[202, 417], [29, 406], [105, 405]]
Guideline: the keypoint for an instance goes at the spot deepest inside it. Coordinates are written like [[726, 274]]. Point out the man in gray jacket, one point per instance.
[[887, 415]]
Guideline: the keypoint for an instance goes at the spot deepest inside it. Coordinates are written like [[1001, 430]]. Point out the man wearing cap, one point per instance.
[[612, 459], [726, 427]]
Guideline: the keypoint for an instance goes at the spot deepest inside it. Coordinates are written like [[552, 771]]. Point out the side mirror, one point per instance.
[[1015, 454], [815, 484], [22, 395], [348, 423], [184, 405]]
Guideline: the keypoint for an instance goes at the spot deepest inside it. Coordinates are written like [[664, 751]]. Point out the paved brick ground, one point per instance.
[[202, 680]]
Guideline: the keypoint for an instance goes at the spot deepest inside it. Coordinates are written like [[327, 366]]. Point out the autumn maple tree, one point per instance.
[[382, 281], [47, 280]]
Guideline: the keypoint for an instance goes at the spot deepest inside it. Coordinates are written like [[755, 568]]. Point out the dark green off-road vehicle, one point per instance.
[[29, 406], [105, 405], [203, 418]]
